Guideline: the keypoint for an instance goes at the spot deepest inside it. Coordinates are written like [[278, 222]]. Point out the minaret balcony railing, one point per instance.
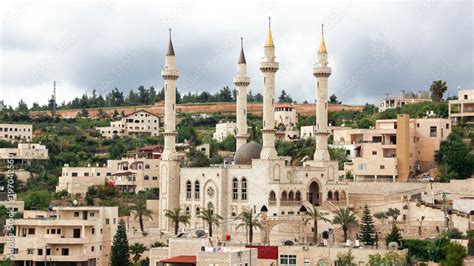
[[269, 66]]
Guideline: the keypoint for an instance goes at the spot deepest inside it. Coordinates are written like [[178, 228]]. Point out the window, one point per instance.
[[447, 126], [107, 221], [465, 96], [40, 252], [65, 251], [109, 174], [288, 260], [196, 189], [30, 251], [31, 231], [433, 131], [76, 214], [147, 166], [298, 196], [98, 174], [198, 210], [244, 189], [73, 174], [86, 174], [92, 249], [374, 152], [92, 214], [382, 167], [362, 167], [93, 231], [155, 178], [48, 252], [146, 177], [188, 189], [235, 189]]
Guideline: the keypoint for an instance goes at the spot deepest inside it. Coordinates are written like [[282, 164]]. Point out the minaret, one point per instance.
[[241, 82], [322, 72], [269, 67], [169, 165], [170, 74]]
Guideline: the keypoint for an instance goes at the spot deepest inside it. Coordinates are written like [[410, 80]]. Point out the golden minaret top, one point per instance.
[[270, 37], [322, 46]]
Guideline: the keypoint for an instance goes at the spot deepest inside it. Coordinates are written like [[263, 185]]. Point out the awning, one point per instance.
[[180, 259]]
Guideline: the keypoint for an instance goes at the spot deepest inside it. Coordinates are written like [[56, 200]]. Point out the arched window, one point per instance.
[[291, 196], [272, 196], [284, 196], [336, 195], [210, 206], [298, 196], [147, 166], [330, 195], [187, 210], [198, 210], [146, 177], [235, 189], [244, 189], [197, 189], [188, 190]]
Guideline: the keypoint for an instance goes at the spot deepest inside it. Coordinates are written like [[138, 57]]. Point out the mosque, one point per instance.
[[259, 180]]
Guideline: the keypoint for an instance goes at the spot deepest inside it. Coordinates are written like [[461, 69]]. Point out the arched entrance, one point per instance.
[[314, 196]]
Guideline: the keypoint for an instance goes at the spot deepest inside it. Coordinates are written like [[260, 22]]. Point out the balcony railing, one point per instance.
[[290, 203]]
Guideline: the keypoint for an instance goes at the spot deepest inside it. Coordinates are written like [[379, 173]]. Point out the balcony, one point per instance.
[[66, 240], [288, 203]]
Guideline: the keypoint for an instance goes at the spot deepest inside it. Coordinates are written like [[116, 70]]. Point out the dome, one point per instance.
[[247, 152]]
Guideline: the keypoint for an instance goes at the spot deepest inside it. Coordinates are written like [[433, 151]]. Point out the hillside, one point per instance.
[[207, 108]]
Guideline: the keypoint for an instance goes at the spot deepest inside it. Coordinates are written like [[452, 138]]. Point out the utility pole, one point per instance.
[[54, 98], [446, 222]]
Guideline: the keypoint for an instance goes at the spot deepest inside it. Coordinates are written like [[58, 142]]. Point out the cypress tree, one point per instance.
[[119, 251], [394, 236], [367, 229]]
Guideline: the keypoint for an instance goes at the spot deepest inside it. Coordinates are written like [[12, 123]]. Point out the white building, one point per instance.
[[285, 115], [25, 151], [135, 124], [64, 236], [259, 179], [462, 109], [405, 98], [16, 132], [223, 130]]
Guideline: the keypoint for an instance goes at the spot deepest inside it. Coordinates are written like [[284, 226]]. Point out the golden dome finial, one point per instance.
[[269, 42], [322, 46]]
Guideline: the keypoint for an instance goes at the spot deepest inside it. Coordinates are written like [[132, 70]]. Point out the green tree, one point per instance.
[[470, 244], [177, 216], [345, 258], [284, 97], [437, 89], [315, 215], [455, 255], [394, 213], [394, 236], [211, 218], [37, 199], [249, 221], [455, 153], [7, 262], [345, 217], [22, 107], [116, 150], [367, 229], [333, 99], [136, 251], [140, 210], [445, 173], [119, 255], [382, 216]]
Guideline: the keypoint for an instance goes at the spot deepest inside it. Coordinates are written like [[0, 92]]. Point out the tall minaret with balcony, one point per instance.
[[269, 67], [241, 82], [169, 165], [322, 72]]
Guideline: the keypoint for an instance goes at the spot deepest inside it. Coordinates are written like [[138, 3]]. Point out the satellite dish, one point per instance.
[[289, 243], [200, 233], [393, 246]]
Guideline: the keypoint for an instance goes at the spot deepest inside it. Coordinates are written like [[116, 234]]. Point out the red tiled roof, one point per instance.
[[180, 259], [284, 106]]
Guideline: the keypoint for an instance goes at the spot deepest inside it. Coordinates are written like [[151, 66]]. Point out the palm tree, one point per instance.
[[177, 217], [140, 210], [249, 221], [438, 88], [208, 216], [344, 217], [137, 250], [315, 215]]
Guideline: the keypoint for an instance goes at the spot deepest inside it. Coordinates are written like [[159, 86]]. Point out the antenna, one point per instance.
[[386, 95], [54, 98]]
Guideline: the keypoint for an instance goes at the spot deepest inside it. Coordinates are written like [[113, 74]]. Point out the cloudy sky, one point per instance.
[[374, 47]]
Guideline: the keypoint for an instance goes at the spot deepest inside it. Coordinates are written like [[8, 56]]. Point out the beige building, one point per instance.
[[16, 132], [128, 175], [25, 151], [201, 252], [462, 109], [285, 114], [137, 123], [405, 98], [64, 236], [223, 130], [375, 150]]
